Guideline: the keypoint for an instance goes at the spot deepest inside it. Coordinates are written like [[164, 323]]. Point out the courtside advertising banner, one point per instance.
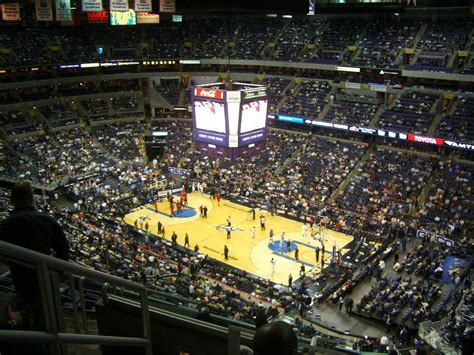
[[167, 6], [44, 10], [63, 10], [119, 5], [143, 6], [92, 5], [11, 12]]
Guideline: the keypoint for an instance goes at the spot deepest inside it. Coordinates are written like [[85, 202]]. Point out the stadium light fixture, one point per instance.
[[272, 15], [287, 16]]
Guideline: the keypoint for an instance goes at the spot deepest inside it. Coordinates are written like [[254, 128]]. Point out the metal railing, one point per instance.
[[48, 269]]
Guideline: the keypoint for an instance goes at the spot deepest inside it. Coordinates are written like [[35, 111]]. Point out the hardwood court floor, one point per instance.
[[251, 255]]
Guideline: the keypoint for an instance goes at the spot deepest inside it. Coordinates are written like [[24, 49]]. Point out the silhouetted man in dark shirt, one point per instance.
[[31, 229]]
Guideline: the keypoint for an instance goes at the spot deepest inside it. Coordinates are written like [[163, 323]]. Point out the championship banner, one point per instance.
[[63, 10], [119, 5], [167, 6], [92, 5], [11, 12], [143, 6], [44, 10]]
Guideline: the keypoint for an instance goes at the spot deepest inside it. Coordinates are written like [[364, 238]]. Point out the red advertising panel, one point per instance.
[[98, 17], [422, 139], [209, 93]]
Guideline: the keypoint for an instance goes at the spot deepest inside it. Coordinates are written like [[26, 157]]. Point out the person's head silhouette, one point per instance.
[[276, 338], [22, 195]]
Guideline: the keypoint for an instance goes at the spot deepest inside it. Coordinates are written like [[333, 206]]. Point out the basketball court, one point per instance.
[[246, 253]]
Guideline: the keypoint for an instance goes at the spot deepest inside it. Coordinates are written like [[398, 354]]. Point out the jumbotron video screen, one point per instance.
[[210, 116]]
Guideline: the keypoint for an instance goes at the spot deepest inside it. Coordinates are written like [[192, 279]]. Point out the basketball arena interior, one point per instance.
[[227, 175]]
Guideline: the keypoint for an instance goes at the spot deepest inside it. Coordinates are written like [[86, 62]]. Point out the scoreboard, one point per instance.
[[230, 118]]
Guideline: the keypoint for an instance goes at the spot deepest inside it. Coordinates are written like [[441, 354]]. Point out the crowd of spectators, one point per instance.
[[411, 298], [380, 41], [458, 330], [411, 113], [180, 140], [96, 107], [248, 179], [251, 37], [16, 122], [27, 46], [165, 42], [59, 114], [119, 85], [51, 158], [208, 38], [449, 204], [276, 91], [170, 90], [346, 111], [460, 124], [333, 42], [125, 103], [77, 44], [122, 140], [294, 39], [311, 177], [383, 40], [308, 99], [446, 35], [383, 191], [105, 108]]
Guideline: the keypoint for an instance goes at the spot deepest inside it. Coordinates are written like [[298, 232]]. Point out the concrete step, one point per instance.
[[376, 117]]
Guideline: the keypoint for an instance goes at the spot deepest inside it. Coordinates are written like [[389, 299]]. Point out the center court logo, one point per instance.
[[226, 228]]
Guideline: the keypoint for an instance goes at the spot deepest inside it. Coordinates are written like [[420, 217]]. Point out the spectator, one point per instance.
[[275, 338], [38, 231]]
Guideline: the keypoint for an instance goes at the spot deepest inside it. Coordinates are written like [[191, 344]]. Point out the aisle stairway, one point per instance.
[[349, 176]]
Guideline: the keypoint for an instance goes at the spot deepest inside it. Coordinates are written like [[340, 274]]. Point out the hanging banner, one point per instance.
[[44, 10], [119, 5], [143, 6], [92, 5], [11, 12], [167, 6], [63, 10]]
